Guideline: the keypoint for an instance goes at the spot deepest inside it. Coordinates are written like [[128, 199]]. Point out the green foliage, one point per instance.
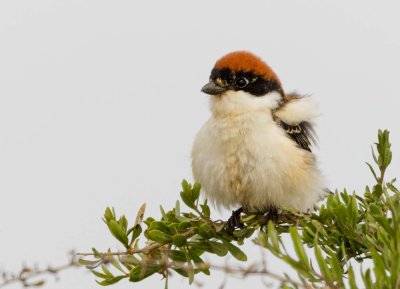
[[348, 228], [177, 241]]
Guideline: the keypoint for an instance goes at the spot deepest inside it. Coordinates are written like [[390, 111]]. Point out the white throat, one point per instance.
[[240, 102]]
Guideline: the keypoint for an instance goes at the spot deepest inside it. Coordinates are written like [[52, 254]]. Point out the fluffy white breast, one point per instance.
[[242, 157]]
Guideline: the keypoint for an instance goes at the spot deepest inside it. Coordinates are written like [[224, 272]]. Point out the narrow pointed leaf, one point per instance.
[[111, 281], [235, 251], [218, 248], [159, 237], [141, 272], [298, 246], [118, 232]]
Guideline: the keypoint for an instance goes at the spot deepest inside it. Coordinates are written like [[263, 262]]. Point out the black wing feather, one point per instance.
[[303, 133]]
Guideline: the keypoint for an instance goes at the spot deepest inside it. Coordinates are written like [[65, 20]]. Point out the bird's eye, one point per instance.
[[241, 82]]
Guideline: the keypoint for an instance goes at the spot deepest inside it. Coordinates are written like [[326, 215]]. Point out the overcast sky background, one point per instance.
[[100, 102]]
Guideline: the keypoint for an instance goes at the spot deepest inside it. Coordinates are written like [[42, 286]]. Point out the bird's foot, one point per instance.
[[271, 215], [234, 220]]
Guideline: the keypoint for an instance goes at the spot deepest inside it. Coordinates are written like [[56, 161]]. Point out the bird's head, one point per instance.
[[242, 81]]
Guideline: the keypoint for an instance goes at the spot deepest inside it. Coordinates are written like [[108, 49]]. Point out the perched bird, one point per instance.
[[255, 149]]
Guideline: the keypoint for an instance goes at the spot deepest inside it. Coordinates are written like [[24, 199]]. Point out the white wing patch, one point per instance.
[[298, 110]]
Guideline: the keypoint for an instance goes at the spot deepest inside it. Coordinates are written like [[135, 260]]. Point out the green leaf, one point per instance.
[[96, 253], [190, 195], [206, 231], [273, 236], [177, 209], [161, 226], [205, 210], [392, 188], [379, 264], [189, 270], [201, 247], [123, 222], [179, 240], [106, 271], [129, 260], [173, 228], [140, 215], [109, 215], [374, 156], [98, 274], [385, 223], [235, 251], [377, 191], [298, 247], [336, 269], [366, 276], [202, 266], [111, 281], [186, 198], [298, 266], [177, 256], [149, 221], [184, 226], [196, 191], [248, 218], [185, 186], [162, 212], [90, 264], [181, 272], [118, 232], [322, 262], [159, 236], [141, 272], [352, 279], [117, 265], [395, 268], [136, 231], [218, 248]]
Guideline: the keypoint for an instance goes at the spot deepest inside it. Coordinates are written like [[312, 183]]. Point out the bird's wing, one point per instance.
[[303, 133], [295, 116]]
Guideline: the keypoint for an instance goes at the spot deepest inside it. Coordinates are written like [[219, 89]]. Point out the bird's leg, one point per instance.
[[271, 214], [234, 220]]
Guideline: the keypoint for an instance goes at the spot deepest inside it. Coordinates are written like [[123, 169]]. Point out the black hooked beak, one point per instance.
[[213, 89]]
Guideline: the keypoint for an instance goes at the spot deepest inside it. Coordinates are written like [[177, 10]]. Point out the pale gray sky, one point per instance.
[[100, 102]]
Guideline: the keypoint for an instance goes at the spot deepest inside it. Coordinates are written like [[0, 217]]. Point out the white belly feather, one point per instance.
[[247, 160]]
